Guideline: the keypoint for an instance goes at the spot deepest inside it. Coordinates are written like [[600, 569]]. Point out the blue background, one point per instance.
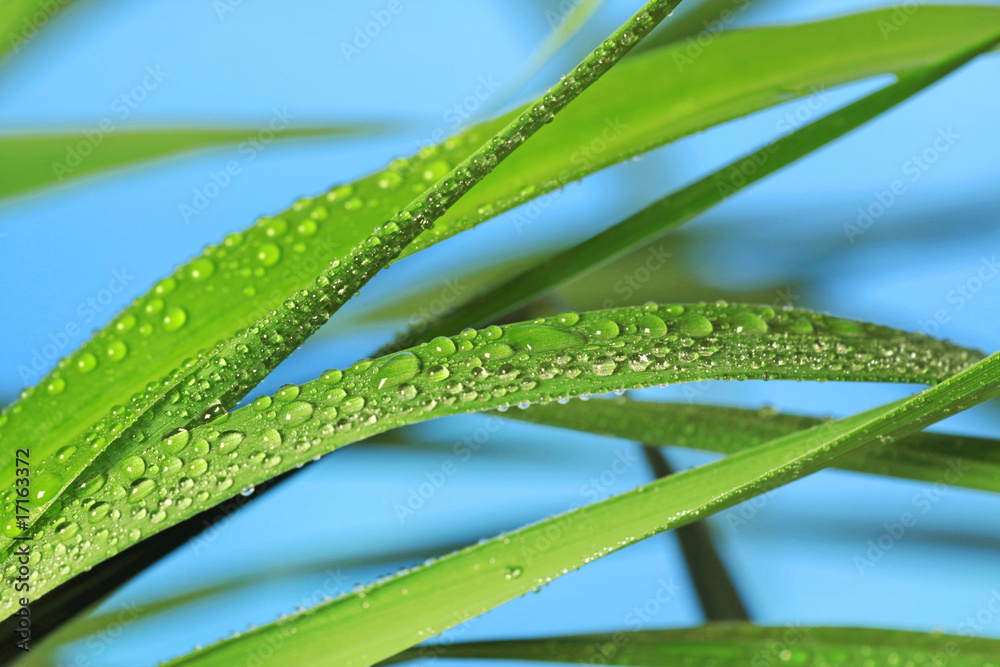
[[792, 556]]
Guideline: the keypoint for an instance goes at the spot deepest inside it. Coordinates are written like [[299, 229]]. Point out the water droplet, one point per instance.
[[749, 323], [442, 346], [201, 269], [86, 362], [288, 392], [331, 377], [98, 511], [55, 385], [141, 488], [495, 351], [174, 318], [437, 373], [45, 486], [513, 572], [269, 254], [133, 466], [652, 326], [539, 338], [397, 369], [116, 350], [568, 318], [695, 326], [229, 441], [296, 412], [175, 441]]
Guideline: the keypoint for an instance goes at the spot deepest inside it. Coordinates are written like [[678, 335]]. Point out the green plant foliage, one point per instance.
[[969, 462], [735, 645], [214, 380], [130, 494], [36, 160], [389, 616]]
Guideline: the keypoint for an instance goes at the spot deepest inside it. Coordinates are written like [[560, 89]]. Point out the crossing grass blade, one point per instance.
[[390, 616], [127, 496], [965, 461], [232, 285], [216, 377]]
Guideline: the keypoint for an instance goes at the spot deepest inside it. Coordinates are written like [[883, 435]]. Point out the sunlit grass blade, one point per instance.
[[214, 297], [736, 645], [683, 205], [213, 381], [29, 161], [390, 616], [129, 495], [964, 461]]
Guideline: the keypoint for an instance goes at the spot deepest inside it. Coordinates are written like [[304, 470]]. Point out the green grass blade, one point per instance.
[[29, 161], [683, 205], [968, 462], [232, 285], [217, 378], [390, 616], [736, 645], [128, 495]]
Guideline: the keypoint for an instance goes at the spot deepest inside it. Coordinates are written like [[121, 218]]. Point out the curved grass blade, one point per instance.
[[736, 645], [972, 463], [128, 496], [390, 616], [231, 286], [215, 380], [683, 205], [29, 161]]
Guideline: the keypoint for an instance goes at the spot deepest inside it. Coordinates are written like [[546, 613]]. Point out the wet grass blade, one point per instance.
[[736, 645], [129, 496], [387, 617], [214, 380], [681, 206], [98, 392], [964, 461]]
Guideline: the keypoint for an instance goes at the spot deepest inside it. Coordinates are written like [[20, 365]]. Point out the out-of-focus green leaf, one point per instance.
[[734, 645], [29, 161], [964, 461]]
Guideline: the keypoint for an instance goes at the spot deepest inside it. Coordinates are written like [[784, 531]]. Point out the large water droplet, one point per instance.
[[397, 369], [540, 337]]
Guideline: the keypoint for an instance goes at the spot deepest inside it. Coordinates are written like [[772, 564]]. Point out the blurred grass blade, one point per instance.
[[130, 495], [20, 21], [274, 270], [736, 645], [717, 595], [973, 463], [390, 616], [215, 379], [29, 161], [681, 206]]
